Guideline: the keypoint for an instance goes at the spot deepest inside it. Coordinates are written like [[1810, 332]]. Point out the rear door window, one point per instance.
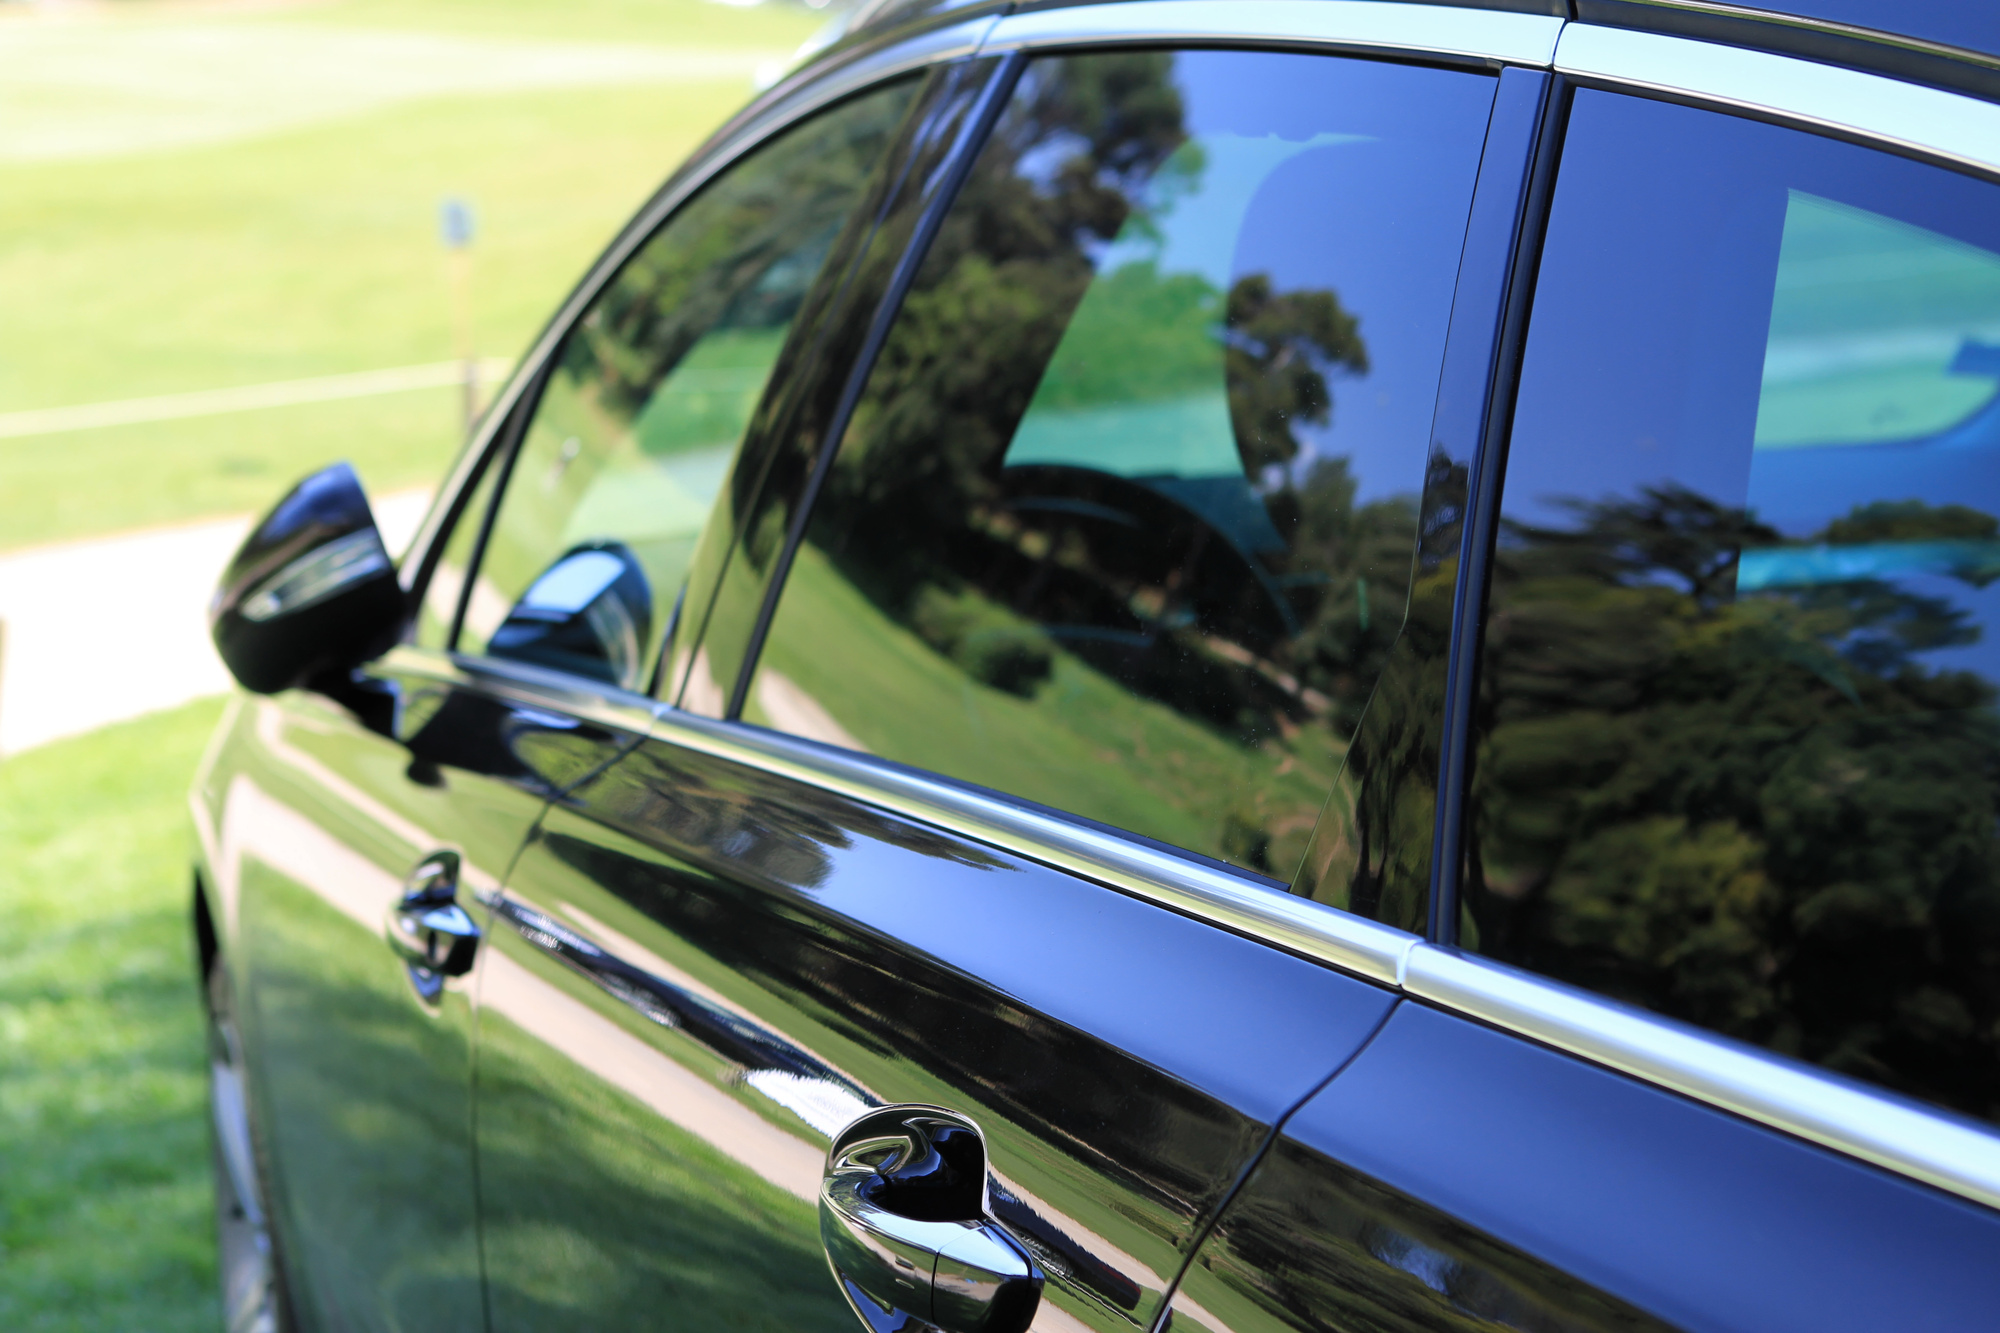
[[1124, 521], [1738, 759]]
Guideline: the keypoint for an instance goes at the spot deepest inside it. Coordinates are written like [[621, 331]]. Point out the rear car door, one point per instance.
[[1054, 626], [1709, 1039]]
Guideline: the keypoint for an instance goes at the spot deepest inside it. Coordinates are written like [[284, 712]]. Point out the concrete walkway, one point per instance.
[[106, 629]]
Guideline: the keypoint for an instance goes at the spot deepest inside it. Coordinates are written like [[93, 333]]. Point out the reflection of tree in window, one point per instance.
[[1085, 528], [1229, 596], [1718, 778]]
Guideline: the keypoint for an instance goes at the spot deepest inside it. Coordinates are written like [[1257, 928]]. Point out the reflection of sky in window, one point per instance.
[[1307, 176], [1187, 226], [1373, 208]]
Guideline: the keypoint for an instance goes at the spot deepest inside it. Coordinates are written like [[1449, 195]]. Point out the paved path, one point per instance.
[[101, 630]]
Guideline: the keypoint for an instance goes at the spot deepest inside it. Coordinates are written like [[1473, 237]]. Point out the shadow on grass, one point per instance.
[[106, 1214]]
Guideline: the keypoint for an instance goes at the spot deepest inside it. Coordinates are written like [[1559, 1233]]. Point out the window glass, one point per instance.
[[649, 396], [1738, 757], [438, 611], [1124, 521]]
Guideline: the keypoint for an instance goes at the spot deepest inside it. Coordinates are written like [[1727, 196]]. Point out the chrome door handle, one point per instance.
[[428, 930], [903, 1215]]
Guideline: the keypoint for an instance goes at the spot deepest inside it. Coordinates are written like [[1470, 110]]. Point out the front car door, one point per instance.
[[1710, 1038], [347, 831], [988, 779], [586, 572]]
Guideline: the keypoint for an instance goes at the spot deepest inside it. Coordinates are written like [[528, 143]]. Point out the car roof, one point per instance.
[[1948, 42], [1971, 26]]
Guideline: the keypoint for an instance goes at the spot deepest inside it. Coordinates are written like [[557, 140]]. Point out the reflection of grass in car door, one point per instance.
[[1082, 743], [355, 1133], [641, 1222]]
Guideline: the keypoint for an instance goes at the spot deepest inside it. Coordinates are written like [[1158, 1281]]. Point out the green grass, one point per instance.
[[313, 251], [106, 1215]]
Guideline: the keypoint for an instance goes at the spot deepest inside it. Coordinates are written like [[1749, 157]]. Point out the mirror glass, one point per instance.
[[589, 613]]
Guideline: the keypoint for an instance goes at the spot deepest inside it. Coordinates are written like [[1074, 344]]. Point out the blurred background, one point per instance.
[[240, 239]]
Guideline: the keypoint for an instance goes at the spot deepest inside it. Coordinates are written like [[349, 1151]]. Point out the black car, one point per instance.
[[1297, 664]]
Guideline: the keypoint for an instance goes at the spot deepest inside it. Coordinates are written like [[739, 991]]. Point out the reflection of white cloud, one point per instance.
[[95, 89]]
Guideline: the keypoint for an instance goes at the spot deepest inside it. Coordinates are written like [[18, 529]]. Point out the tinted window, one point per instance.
[[437, 613], [649, 397], [1124, 521], [1739, 760]]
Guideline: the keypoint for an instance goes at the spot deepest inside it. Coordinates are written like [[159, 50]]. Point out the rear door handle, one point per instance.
[[903, 1215], [428, 930]]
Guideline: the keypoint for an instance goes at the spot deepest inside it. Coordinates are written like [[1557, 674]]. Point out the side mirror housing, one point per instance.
[[312, 588]]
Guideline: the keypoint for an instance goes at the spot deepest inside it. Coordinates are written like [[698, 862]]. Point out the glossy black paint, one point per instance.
[[325, 818], [310, 590], [1475, 393], [1454, 1168], [1125, 1063]]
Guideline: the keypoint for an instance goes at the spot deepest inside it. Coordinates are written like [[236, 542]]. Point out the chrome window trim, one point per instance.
[[1234, 902], [1369, 26], [1951, 126], [791, 100], [1957, 1155]]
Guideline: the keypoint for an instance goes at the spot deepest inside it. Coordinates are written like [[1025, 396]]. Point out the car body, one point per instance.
[[1280, 665]]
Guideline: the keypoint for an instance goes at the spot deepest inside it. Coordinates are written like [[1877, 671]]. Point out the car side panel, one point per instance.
[[712, 969], [360, 1087], [1454, 1171]]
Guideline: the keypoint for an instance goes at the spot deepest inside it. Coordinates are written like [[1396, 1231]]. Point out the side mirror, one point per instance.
[[312, 588], [590, 613]]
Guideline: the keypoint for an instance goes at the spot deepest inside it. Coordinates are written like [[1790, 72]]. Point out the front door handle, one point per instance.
[[428, 930], [903, 1215]]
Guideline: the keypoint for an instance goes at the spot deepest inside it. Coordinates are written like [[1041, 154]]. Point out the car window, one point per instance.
[[1124, 520], [1738, 760], [649, 396], [437, 612]]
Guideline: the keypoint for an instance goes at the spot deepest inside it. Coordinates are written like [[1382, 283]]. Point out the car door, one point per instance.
[[581, 578], [349, 827], [955, 847], [370, 816], [1707, 1040]]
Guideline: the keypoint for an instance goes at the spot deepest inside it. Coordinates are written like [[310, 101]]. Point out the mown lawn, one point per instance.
[[312, 250], [105, 1212]]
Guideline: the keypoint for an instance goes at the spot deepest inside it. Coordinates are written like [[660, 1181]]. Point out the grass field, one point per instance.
[[105, 1207], [299, 236]]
